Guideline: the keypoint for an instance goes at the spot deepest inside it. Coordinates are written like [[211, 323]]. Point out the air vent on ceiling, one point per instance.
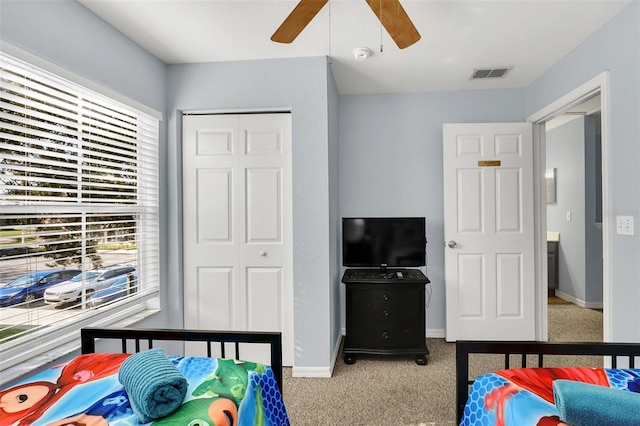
[[497, 72]]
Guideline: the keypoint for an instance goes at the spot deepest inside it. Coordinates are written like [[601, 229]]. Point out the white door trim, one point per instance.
[[600, 84], [274, 110]]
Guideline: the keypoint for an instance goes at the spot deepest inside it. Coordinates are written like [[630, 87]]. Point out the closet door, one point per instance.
[[237, 224]]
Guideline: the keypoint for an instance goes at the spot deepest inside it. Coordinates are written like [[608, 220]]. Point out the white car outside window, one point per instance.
[[71, 291]]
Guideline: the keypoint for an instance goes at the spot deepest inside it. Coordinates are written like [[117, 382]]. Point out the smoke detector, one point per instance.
[[362, 53]]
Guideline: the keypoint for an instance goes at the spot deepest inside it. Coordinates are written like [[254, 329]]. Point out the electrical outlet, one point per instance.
[[568, 216], [624, 225]]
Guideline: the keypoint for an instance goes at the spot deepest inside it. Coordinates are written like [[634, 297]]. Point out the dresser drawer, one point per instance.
[[386, 335], [385, 304]]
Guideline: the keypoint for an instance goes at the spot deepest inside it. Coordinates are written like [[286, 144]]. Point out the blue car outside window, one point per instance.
[[25, 279]]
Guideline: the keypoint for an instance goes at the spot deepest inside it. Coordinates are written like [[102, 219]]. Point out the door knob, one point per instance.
[[452, 244]]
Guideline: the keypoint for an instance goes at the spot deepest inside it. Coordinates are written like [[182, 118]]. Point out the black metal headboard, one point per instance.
[[88, 337]]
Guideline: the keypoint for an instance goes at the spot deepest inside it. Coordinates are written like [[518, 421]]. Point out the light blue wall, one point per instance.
[[614, 48], [67, 34], [301, 85], [391, 161]]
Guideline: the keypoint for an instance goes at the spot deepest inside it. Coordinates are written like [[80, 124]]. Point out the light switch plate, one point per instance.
[[624, 225]]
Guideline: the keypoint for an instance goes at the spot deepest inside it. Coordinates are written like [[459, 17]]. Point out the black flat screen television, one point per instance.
[[370, 242]]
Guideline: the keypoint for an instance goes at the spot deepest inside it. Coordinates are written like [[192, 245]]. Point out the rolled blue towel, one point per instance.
[[585, 404], [154, 385]]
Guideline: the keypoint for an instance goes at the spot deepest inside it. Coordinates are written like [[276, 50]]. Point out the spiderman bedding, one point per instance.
[[533, 396], [86, 392]]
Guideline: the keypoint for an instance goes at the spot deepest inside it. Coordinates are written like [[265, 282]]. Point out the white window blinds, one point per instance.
[[78, 208]]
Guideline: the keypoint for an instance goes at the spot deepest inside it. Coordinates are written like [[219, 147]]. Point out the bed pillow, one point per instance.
[[584, 404]]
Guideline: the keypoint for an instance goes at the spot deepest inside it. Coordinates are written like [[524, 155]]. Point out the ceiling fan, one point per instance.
[[390, 13]]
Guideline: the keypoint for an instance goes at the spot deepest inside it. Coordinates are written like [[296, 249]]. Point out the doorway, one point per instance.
[[574, 223], [594, 96]]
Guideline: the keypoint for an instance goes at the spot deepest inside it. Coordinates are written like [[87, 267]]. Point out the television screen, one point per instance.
[[390, 241]]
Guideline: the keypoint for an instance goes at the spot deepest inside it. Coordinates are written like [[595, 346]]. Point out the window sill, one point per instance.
[[61, 353]]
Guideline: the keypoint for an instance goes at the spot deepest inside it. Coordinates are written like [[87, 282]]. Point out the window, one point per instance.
[[78, 211]]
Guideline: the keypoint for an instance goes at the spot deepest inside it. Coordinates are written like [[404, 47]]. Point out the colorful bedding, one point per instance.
[[525, 396], [86, 392]]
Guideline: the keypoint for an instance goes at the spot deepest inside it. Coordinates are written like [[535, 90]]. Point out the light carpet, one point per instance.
[[396, 391]]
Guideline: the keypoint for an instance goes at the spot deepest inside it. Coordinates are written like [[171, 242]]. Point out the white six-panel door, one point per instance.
[[488, 229], [237, 216]]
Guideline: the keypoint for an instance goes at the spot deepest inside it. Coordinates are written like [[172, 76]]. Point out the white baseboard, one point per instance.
[[436, 333], [336, 352], [578, 302], [320, 371], [311, 372]]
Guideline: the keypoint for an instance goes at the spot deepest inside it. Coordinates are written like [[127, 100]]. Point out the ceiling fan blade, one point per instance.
[[299, 17], [396, 21]]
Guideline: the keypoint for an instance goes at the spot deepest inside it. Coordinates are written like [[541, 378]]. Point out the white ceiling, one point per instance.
[[457, 36]]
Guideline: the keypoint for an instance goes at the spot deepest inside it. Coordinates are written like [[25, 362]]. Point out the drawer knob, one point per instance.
[[385, 297], [385, 335], [385, 313]]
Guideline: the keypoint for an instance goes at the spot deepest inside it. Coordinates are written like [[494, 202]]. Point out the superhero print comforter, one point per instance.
[[527, 396], [86, 392]]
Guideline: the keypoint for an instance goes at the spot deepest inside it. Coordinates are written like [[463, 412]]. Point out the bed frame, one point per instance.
[[88, 338], [539, 349]]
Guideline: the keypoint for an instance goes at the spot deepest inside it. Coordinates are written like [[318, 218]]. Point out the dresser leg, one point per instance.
[[349, 359], [421, 359]]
